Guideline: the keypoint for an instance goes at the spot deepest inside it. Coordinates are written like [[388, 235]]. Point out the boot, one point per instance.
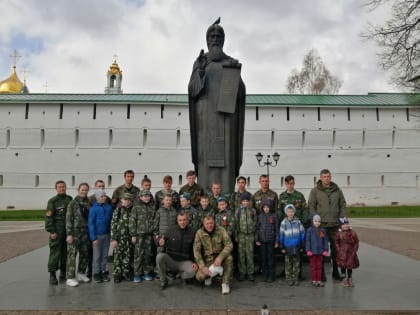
[[53, 278]]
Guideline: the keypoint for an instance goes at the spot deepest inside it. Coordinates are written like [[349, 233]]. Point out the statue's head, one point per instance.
[[215, 35]]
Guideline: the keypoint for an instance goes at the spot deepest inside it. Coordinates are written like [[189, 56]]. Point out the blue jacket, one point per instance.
[[292, 236], [100, 216], [316, 240]]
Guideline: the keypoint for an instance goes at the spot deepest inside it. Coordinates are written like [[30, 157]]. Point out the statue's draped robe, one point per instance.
[[216, 137]]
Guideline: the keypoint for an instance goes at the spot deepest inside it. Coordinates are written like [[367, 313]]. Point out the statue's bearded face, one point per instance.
[[215, 40]]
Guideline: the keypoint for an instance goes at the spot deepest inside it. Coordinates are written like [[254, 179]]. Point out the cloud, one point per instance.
[[70, 44]]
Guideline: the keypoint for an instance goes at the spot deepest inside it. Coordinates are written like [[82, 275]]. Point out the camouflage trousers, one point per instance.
[[123, 257], [143, 263], [58, 253], [246, 245], [227, 270], [292, 266], [81, 245]]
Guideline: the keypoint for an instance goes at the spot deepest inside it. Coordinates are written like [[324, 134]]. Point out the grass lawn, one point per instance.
[[354, 212]]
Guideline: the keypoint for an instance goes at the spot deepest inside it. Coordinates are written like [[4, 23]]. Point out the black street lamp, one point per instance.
[[268, 163]]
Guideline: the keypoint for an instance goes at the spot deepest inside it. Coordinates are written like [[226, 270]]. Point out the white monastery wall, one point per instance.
[[373, 153]]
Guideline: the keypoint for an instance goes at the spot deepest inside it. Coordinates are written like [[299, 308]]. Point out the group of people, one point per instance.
[[197, 234]]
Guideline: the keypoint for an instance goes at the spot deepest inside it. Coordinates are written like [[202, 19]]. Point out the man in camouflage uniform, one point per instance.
[[212, 248], [78, 236], [143, 226], [235, 198], [167, 190], [195, 190], [296, 198], [264, 193], [121, 239], [55, 224], [245, 226], [128, 187]]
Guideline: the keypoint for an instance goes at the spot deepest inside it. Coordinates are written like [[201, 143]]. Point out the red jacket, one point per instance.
[[347, 244]]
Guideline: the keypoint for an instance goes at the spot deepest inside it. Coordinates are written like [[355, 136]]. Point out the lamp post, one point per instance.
[[268, 163]]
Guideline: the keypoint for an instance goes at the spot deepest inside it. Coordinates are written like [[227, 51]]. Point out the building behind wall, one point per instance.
[[371, 143]]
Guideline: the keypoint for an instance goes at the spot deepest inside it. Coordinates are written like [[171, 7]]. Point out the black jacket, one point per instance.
[[179, 243]]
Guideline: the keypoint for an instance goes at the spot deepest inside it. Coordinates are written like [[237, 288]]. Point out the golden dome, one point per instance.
[[12, 84], [114, 69]]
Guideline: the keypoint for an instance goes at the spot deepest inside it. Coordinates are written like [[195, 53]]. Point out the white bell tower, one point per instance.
[[113, 79]]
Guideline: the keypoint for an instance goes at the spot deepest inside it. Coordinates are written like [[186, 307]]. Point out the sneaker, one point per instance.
[[296, 283], [97, 278], [315, 283], [225, 288], [137, 279], [163, 285], [148, 277], [290, 283], [207, 282], [72, 282], [82, 277], [345, 282], [321, 284], [53, 278], [350, 282]]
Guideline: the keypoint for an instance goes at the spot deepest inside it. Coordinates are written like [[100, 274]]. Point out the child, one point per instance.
[[185, 206], [146, 184], [142, 227], [316, 249], [203, 210], [224, 217], [165, 220], [292, 235], [121, 241], [245, 224], [266, 238], [78, 237], [167, 189], [346, 244], [99, 223]]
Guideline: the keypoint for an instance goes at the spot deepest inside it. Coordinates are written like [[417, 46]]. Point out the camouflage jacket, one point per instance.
[[208, 246], [200, 213], [119, 191], [120, 223], [245, 221], [226, 220], [161, 193], [55, 220], [297, 199], [259, 196], [77, 215], [235, 200], [143, 219], [195, 191]]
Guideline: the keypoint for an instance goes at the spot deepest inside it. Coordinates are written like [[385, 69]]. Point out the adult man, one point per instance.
[[128, 187], [217, 112], [264, 193], [235, 198], [167, 190], [212, 248], [296, 198], [327, 200], [178, 257], [55, 224], [191, 187]]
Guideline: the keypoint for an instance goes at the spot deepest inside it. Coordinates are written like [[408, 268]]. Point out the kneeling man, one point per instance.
[[212, 252], [178, 256]]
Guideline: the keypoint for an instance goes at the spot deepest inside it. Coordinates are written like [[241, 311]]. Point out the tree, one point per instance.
[[399, 39], [314, 78]]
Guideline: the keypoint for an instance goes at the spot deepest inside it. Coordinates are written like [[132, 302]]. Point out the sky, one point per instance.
[[67, 46]]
